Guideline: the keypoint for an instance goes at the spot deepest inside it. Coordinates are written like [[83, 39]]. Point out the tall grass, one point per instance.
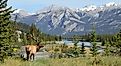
[[82, 61]]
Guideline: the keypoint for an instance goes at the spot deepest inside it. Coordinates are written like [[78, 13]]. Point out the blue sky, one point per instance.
[[34, 5]]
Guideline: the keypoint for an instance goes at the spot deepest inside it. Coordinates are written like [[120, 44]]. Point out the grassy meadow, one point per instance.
[[82, 61]]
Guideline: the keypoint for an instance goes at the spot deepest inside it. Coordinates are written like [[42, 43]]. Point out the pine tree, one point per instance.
[[93, 41], [60, 38], [118, 41], [76, 51], [107, 49], [6, 31], [34, 33], [39, 38], [94, 48], [82, 49], [24, 37]]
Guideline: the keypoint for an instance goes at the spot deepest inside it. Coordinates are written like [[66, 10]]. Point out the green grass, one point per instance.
[[83, 61]]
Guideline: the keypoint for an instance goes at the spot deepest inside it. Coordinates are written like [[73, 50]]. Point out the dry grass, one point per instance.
[[102, 61]]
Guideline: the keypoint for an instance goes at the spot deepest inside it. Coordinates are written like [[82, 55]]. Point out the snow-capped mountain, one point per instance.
[[89, 8], [21, 12], [63, 20], [111, 4]]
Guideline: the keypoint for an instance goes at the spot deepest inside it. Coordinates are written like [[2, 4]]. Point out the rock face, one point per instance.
[[65, 21]]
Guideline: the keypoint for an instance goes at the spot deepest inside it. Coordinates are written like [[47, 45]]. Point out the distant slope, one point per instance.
[[65, 21], [22, 27]]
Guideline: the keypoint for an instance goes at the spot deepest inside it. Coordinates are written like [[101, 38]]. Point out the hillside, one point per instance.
[[58, 20]]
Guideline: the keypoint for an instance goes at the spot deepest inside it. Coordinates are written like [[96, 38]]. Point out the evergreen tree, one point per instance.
[[39, 38], [107, 49], [34, 33], [24, 37], [6, 31], [94, 45], [117, 42], [82, 49], [93, 41], [60, 38], [103, 43], [76, 51]]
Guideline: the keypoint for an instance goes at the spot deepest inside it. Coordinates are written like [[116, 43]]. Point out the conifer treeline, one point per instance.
[[32, 35], [6, 30]]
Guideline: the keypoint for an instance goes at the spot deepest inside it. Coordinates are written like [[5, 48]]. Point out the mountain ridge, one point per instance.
[[66, 21]]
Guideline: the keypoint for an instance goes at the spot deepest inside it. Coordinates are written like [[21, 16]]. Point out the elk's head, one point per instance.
[[39, 46]]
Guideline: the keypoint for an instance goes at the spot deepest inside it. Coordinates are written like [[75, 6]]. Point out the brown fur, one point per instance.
[[31, 50]]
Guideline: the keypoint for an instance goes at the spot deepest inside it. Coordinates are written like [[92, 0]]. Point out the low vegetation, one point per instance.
[[81, 61]]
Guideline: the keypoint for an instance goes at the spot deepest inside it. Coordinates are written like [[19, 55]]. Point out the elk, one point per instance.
[[31, 50]]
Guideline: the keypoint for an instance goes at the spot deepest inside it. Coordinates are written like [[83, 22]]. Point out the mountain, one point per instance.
[[58, 20]]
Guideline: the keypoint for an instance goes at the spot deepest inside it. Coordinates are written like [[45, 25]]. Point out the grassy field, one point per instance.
[[84, 61]]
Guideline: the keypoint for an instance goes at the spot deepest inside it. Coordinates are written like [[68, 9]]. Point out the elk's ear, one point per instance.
[[41, 46], [37, 44]]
